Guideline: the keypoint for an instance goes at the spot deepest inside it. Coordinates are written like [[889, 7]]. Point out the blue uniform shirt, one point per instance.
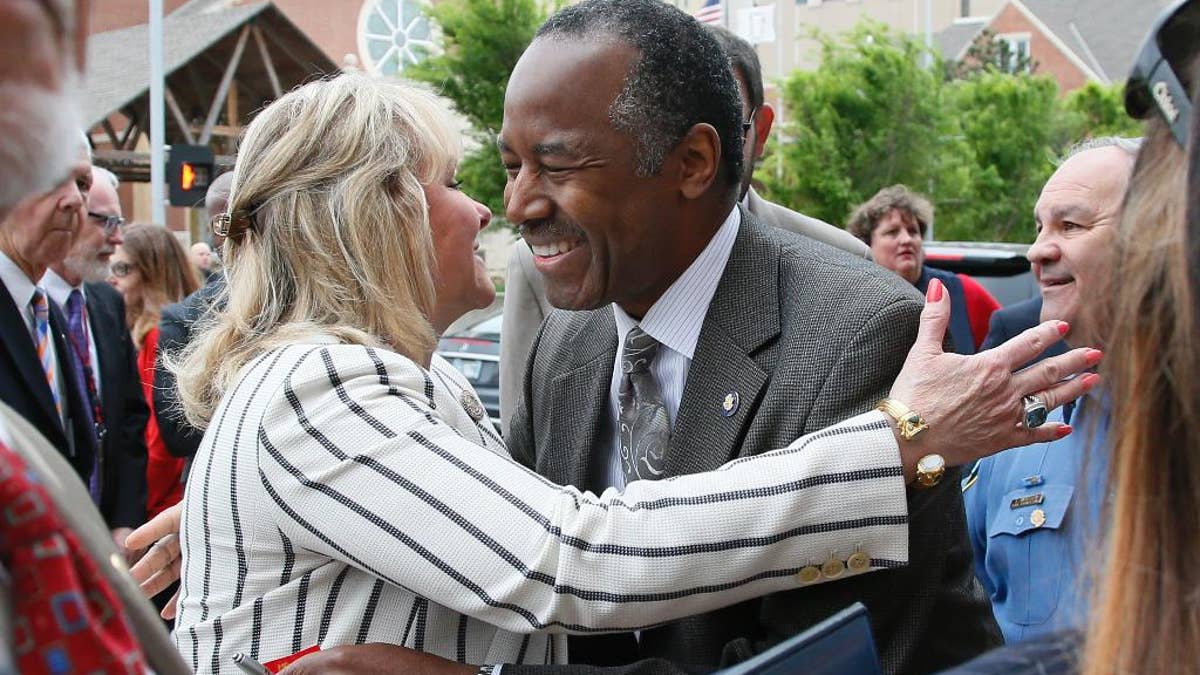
[[1034, 524]]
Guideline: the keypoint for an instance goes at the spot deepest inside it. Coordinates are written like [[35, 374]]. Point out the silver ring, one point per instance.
[[1035, 411]]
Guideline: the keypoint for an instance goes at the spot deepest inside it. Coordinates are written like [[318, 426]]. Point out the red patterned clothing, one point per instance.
[[163, 470], [66, 617]]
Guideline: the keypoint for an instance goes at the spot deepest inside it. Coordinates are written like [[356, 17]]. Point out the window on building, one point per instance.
[[1015, 57], [393, 34]]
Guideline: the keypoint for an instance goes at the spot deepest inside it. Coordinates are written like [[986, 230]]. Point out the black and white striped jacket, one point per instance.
[[343, 495]]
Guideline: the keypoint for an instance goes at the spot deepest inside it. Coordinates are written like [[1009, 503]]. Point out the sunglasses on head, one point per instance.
[[1154, 86]]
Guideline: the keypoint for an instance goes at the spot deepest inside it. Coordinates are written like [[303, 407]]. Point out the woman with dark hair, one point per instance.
[[893, 223], [151, 270]]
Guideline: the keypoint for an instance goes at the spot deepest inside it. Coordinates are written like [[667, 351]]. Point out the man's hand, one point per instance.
[[161, 565], [375, 658]]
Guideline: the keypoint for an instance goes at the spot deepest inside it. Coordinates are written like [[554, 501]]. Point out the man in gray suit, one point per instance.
[[525, 304], [622, 139]]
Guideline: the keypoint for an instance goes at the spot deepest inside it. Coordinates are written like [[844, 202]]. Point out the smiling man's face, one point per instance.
[[1077, 216]]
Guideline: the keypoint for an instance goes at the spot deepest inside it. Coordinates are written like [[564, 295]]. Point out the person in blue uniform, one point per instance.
[[1033, 512]]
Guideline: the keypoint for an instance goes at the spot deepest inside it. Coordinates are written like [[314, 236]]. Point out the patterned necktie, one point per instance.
[[41, 337], [645, 429], [85, 380]]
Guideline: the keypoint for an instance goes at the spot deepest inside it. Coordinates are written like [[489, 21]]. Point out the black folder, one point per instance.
[[839, 645]]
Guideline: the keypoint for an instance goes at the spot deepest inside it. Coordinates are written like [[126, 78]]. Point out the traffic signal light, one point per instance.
[[189, 171]]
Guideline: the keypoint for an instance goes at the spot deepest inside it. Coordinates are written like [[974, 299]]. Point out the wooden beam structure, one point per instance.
[[223, 90], [267, 62], [180, 120]]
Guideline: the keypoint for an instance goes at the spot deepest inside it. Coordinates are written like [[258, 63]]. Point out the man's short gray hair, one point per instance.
[[108, 176], [1129, 145], [87, 144]]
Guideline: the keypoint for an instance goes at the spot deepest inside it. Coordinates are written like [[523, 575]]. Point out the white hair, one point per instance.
[[108, 176], [1129, 145]]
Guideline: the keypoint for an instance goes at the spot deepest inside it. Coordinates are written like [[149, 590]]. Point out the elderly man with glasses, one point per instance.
[[105, 360]]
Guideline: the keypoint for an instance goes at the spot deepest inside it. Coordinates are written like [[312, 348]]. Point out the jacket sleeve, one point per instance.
[[180, 438], [522, 319], [362, 468], [128, 447]]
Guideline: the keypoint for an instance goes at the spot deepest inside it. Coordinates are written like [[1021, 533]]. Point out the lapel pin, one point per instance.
[[471, 405], [729, 406]]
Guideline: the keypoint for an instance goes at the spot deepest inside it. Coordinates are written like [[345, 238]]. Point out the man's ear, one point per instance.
[[699, 156], [762, 128]]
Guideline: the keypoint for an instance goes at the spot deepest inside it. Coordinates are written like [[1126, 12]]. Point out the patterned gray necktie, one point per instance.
[[645, 429]]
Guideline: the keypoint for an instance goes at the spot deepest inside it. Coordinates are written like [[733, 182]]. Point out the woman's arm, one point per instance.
[[361, 467]]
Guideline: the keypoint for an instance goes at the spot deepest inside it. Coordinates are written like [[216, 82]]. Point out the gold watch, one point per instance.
[[930, 470]]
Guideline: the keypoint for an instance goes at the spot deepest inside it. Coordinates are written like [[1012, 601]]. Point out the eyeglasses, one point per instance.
[[120, 269], [110, 223], [749, 121], [1154, 85]]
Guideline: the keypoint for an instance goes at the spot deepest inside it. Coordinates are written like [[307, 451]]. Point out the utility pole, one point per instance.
[[157, 123]]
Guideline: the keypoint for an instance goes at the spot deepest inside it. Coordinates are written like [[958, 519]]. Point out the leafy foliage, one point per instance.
[[481, 43], [980, 144]]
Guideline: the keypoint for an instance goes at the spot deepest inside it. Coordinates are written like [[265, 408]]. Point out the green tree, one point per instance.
[[987, 52], [481, 42], [868, 117], [1099, 110], [979, 144], [1013, 127]]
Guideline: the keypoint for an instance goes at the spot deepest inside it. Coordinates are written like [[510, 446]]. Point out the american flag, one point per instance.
[[710, 12]]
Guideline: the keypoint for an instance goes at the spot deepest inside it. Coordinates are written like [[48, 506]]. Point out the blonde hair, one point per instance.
[[334, 235], [166, 275], [1146, 611]]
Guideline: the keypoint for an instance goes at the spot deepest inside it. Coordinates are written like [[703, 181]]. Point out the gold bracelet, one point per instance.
[[908, 422]]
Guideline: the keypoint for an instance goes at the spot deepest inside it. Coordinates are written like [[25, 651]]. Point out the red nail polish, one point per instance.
[[1063, 431], [934, 293], [1094, 355], [1063, 327], [1090, 380]]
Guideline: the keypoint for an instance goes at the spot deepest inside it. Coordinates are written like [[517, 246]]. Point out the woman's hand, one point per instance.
[[375, 659], [161, 565], [973, 404]]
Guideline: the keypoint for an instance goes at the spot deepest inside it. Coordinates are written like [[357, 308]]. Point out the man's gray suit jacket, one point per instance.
[[806, 336], [525, 305]]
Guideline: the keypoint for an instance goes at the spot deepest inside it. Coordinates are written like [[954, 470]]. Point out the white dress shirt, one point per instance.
[[21, 289], [675, 321], [59, 290]]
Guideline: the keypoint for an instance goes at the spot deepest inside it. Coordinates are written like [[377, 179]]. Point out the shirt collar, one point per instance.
[[58, 289], [676, 318], [19, 286]]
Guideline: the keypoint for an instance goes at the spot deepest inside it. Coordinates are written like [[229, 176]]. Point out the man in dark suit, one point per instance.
[[1008, 322], [175, 332], [37, 378], [106, 356], [760, 335]]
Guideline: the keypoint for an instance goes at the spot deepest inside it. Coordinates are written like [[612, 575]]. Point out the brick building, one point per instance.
[[1073, 41]]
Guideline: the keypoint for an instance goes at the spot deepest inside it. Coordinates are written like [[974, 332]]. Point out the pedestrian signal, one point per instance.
[[189, 171]]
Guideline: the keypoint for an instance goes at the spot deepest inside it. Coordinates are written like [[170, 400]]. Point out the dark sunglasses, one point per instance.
[[110, 223], [1154, 86], [120, 269]]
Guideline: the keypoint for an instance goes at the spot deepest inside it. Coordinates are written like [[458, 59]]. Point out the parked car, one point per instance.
[[475, 352], [1001, 268]]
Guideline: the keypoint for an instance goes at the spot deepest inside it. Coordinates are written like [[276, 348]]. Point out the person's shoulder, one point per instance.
[[103, 292], [784, 218], [833, 272]]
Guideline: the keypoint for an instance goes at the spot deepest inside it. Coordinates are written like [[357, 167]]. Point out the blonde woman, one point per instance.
[[151, 270], [350, 489]]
